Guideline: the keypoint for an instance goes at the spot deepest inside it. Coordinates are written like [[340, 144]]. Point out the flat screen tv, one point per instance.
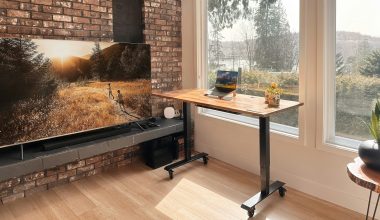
[[55, 88]]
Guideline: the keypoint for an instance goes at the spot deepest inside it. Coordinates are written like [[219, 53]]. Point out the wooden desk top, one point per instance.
[[363, 176], [244, 104]]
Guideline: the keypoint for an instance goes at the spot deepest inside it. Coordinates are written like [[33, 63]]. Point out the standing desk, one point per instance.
[[240, 104]]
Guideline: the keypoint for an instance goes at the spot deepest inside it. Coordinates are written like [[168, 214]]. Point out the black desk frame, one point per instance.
[[266, 188], [186, 113]]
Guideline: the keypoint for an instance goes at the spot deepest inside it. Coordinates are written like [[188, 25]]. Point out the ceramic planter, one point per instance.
[[369, 152], [266, 95], [273, 100]]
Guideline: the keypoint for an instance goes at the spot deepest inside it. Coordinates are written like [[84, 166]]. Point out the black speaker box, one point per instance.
[[160, 152]]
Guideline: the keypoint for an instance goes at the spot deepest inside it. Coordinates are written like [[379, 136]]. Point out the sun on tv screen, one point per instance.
[[51, 88]]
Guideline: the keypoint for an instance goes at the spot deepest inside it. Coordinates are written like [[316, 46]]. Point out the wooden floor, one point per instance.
[[198, 192]]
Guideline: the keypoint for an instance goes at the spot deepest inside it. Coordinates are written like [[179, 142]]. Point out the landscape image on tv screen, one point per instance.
[[51, 88]]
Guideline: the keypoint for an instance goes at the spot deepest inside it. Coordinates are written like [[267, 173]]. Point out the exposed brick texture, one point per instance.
[[92, 20], [56, 19], [162, 20], [27, 185]]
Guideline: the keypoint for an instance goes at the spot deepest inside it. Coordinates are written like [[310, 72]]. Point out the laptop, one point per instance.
[[226, 82]]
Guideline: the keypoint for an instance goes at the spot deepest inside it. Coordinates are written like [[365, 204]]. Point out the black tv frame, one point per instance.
[[59, 141]]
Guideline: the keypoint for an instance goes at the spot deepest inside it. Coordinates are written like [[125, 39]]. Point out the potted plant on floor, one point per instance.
[[369, 150], [273, 95]]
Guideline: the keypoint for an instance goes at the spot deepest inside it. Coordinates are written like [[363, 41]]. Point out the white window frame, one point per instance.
[[326, 100], [317, 63], [307, 89]]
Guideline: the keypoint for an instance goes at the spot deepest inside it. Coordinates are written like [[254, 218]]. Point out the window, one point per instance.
[[260, 39], [356, 71], [331, 55]]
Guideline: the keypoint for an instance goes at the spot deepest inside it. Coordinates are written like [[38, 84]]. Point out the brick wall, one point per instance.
[[162, 21], [57, 19], [24, 186], [92, 20]]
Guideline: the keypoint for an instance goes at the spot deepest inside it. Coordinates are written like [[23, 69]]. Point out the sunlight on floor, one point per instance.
[[192, 201]]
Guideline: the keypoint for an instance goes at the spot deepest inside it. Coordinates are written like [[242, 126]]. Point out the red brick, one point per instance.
[[42, 16], [9, 183], [52, 9], [81, 6], [106, 28], [23, 187], [6, 192], [56, 170], [9, 4], [85, 169], [18, 13], [31, 23], [94, 160], [62, 18], [65, 4], [73, 26], [91, 2], [73, 12], [29, 7], [75, 165], [67, 174], [94, 172], [102, 163], [34, 176], [81, 20], [98, 8], [53, 24], [91, 14], [42, 2], [106, 16], [46, 180]]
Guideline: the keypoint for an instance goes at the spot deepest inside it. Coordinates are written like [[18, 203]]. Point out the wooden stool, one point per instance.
[[367, 178]]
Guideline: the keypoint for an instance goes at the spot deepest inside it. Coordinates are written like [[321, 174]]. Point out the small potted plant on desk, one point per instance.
[[273, 95], [369, 150]]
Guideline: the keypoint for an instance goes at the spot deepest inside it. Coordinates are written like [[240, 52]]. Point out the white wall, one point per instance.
[[188, 44], [310, 170]]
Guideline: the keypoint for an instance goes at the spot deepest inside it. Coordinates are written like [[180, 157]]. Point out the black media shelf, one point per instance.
[[35, 158]]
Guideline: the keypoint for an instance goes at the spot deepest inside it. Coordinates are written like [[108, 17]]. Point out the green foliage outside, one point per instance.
[[350, 88], [371, 65], [274, 44], [374, 125]]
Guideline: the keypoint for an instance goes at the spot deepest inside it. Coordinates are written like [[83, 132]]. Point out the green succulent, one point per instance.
[[374, 125]]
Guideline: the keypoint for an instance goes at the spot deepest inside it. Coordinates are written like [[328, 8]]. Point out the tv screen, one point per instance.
[[51, 88]]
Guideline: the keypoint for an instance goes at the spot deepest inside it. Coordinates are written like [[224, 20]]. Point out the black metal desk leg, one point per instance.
[[186, 109], [266, 188], [22, 152], [187, 142], [264, 155]]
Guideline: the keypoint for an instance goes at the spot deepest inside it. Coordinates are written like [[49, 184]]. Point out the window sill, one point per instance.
[[340, 146], [291, 136]]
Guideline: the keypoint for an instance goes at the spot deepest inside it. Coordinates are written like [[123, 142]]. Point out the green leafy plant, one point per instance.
[[273, 89], [374, 125]]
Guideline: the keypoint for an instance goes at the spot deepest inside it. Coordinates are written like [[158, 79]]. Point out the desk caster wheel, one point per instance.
[[251, 212], [170, 174], [282, 191], [205, 160]]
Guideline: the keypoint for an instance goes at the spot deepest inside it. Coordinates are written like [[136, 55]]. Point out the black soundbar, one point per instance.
[[84, 137]]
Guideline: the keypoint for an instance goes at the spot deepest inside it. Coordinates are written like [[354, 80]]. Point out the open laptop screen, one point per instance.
[[226, 80]]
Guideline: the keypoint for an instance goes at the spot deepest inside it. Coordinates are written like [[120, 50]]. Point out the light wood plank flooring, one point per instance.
[[214, 191]]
